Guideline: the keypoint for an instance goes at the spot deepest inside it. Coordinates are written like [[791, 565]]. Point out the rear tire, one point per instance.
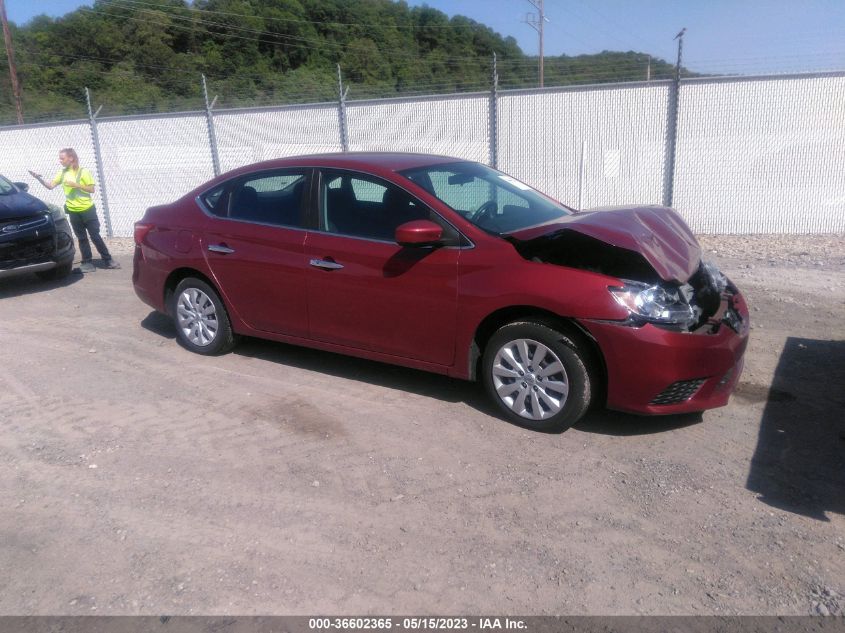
[[539, 377], [59, 272], [202, 323]]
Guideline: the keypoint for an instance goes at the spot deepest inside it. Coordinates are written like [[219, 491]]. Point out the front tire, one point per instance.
[[539, 377], [202, 323]]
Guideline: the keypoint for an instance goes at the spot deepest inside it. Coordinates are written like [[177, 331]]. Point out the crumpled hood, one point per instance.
[[19, 205], [659, 234]]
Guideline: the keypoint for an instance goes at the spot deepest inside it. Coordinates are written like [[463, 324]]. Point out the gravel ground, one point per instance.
[[138, 478]]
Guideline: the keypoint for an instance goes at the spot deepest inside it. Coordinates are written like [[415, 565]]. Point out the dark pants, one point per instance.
[[86, 223]]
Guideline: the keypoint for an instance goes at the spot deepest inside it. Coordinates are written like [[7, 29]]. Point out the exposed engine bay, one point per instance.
[[702, 300]]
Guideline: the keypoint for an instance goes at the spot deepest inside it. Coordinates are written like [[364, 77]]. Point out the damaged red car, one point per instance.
[[451, 267]]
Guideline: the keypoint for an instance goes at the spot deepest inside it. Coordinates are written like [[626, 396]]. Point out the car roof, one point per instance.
[[392, 161]]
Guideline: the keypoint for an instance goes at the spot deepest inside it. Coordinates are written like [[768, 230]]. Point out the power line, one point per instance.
[[320, 22], [261, 36], [627, 30]]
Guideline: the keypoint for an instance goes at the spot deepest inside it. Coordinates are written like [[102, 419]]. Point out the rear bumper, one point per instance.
[[645, 364], [148, 280]]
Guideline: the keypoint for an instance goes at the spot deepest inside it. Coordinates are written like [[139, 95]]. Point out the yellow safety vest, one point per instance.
[[77, 200]]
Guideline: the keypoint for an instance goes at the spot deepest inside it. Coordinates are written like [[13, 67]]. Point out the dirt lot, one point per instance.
[[137, 478]]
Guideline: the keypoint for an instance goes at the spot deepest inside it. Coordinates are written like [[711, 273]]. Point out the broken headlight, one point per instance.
[[717, 280], [658, 303]]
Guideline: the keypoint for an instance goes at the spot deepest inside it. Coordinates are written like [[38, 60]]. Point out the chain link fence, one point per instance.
[[250, 136], [150, 161], [762, 155], [753, 154], [587, 148], [451, 126], [37, 148]]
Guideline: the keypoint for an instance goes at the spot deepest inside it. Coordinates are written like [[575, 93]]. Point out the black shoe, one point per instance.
[[113, 265]]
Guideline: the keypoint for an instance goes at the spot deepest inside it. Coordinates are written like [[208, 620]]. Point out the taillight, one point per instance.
[[141, 230]]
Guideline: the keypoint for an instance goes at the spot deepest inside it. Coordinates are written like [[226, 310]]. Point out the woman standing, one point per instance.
[[78, 186]]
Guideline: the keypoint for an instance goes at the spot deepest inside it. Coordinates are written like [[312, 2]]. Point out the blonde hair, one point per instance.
[[69, 151]]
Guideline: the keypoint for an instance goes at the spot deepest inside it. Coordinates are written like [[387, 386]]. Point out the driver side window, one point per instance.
[[364, 206]]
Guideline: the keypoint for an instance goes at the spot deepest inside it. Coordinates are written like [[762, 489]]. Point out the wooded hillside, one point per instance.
[[148, 55]]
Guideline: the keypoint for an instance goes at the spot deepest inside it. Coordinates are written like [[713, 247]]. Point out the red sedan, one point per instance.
[[452, 267]]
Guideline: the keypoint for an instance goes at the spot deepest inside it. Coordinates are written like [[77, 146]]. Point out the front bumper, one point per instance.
[[38, 244], [688, 371]]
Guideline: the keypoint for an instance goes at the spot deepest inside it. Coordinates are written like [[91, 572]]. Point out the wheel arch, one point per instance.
[[566, 325], [177, 276]]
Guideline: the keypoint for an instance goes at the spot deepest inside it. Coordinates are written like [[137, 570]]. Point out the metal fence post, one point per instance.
[[580, 171], [341, 112], [101, 176], [212, 137], [672, 128], [494, 118]]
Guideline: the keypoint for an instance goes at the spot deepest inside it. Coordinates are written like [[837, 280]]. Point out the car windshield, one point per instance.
[[488, 198], [6, 187]]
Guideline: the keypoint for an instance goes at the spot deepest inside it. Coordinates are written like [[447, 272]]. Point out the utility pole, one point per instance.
[[536, 22], [10, 52]]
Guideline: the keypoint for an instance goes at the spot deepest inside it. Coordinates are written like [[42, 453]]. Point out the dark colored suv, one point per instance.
[[34, 237]]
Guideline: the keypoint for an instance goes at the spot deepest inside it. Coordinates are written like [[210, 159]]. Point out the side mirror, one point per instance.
[[22, 186], [418, 233]]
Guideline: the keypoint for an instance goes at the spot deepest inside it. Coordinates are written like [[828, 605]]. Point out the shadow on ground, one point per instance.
[[30, 283], [372, 372], [160, 324], [605, 422], [601, 421], [799, 462]]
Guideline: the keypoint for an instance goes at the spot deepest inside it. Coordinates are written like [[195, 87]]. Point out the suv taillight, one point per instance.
[[141, 230]]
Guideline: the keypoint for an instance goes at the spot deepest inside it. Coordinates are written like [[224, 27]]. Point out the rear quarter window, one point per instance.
[[214, 200]]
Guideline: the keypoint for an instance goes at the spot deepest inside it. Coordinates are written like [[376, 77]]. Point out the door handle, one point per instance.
[[326, 265], [220, 248]]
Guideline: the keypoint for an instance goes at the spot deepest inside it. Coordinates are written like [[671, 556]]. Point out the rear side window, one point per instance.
[[212, 200], [269, 198]]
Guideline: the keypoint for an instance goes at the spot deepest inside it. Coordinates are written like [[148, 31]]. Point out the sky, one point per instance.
[[722, 36]]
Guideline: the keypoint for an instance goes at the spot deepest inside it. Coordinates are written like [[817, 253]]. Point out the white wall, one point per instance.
[[151, 161], [252, 136], [622, 133], [765, 156], [37, 148], [456, 126], [762, 155]]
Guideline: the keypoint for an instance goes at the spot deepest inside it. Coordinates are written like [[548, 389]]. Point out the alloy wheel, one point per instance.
[[530, 379], [197, 316]]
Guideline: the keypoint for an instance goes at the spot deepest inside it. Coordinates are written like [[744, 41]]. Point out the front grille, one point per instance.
[[680, 391], [10, 227], [20, 253]]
